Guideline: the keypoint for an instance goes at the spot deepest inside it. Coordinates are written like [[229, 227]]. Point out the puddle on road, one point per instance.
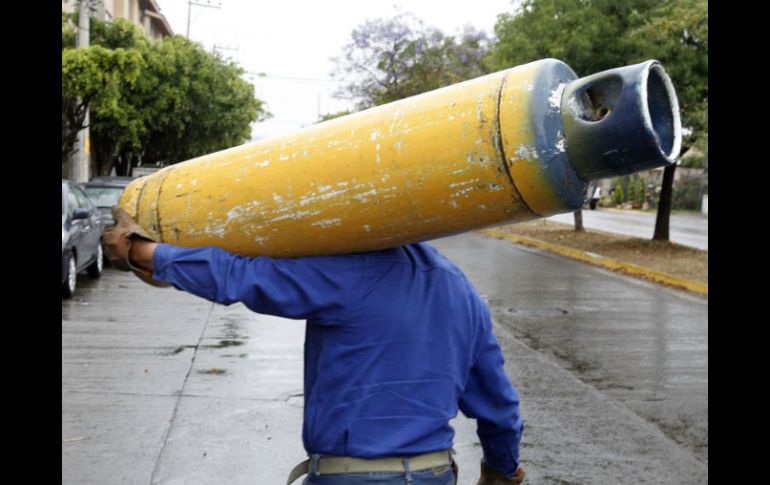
[[538, 312], [213, 371], [224, 344]]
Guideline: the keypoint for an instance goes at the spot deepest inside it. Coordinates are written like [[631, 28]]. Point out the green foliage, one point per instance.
[[641, 191], [181, 102], [200, 103], [632, 190], [94, 78], [390, 59], [594, 35], [676, 33], [331, 116], [67, 31], [589, 35], [687, 194], [619, 196]]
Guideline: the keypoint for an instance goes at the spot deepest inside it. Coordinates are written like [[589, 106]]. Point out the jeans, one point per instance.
[[445, 476]]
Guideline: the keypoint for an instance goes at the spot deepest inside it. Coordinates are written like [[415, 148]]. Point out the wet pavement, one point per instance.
[[160, 387], [686, 229]]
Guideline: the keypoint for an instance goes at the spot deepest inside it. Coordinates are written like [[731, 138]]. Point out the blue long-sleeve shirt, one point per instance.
[[396, 341]]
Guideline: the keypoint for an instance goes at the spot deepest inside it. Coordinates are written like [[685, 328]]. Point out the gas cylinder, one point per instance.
[[515, 145]]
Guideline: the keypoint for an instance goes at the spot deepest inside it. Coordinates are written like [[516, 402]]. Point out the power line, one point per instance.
[[190, 4]]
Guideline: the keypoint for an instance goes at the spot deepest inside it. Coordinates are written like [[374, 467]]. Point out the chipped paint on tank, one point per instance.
[[561, 145], [312, 198], [460, 184], [364, 197], [295, 215], [554, 101], [324, 223], [526, 153]]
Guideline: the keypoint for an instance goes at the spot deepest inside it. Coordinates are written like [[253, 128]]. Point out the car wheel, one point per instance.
[[95, 268], [70, 282]]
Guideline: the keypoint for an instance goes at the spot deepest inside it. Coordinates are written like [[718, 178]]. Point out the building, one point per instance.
[[142, 13]]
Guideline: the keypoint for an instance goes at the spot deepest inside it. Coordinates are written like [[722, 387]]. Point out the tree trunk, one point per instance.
[[664, 204], [579, 221]]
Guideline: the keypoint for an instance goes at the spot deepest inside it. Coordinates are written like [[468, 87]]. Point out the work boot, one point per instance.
[[490, 476]]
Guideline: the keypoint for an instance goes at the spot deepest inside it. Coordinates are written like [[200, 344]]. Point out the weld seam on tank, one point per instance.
[[157, 206], [569, 189], [139, 199], [500, 145]]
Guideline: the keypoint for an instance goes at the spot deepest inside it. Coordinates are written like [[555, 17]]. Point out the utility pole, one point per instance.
[[80, 162], [190, 4]]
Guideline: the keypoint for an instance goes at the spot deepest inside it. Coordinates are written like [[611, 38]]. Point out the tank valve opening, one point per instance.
[[621, 121]]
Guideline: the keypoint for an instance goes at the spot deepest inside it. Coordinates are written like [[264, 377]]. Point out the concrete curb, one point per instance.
[[609, 263]]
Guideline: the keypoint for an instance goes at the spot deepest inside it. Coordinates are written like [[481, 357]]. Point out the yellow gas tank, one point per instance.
[[510, 146]]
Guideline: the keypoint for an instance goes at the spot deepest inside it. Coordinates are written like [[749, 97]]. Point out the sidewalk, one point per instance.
[[603, 261], [160, 387]]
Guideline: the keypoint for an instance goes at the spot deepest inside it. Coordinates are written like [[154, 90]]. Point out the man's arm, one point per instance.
[[301, 288], [491, 399], [310, 287]]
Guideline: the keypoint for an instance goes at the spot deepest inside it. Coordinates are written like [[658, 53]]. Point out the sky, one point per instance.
[[292, 43]]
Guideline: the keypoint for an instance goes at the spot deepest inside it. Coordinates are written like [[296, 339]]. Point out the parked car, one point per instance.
[[105, 192], [81, 237]]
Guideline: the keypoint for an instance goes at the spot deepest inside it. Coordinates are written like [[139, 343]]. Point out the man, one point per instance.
[[396, 342]]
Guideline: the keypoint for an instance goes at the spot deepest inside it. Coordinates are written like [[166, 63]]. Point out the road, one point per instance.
[[160, 387], [686, 229]]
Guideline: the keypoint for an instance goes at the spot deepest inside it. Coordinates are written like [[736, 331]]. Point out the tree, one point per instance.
[[331, 116], [632, 190], [579, 221], [586, 34], [201, 104], [619, 195], [595, 35], [94, 79], [183, 102], [390, 59], [677, 35]]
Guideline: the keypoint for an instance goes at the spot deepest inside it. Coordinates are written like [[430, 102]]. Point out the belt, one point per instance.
[[347, 464]]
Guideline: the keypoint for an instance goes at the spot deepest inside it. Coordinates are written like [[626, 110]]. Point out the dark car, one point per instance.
[[81, 237], [105, 192]]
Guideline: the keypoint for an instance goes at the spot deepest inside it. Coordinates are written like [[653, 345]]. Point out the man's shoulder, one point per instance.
[[422, 255], [428, 257]]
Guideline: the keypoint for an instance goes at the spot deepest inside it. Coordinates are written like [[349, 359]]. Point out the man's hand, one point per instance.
[[118, 245], [490, 476]]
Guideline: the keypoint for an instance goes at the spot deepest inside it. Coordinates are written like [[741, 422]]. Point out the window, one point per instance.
[[104, 196], [82, 198], [72, 203]]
